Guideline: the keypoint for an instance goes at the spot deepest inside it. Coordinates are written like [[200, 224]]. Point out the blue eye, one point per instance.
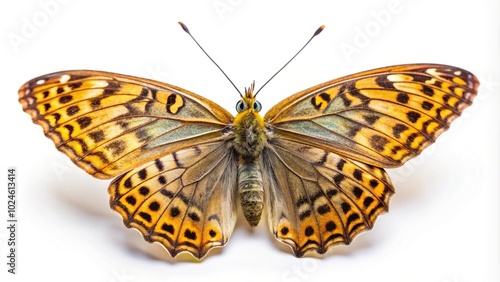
[[257, 106], [241, 106]]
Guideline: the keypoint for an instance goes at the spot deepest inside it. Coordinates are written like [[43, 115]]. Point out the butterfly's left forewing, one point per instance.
[[109, 123]]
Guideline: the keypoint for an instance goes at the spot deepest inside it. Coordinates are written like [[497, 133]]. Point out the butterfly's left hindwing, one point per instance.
[[109, 123], [184, 200]]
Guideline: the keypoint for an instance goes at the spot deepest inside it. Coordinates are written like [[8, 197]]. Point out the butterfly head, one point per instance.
[[248, 103], [249, 125]]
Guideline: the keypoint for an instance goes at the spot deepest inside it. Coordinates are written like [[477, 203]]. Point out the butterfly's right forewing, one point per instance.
[[382, 117]]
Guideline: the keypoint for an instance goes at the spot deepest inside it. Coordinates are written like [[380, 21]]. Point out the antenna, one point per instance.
[[318, 31], [184, 27]]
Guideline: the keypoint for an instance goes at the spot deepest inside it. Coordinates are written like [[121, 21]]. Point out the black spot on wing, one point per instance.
[[338, 178], [323, 209], [413, 116], [159, 164], [145, 216], [95, 103], [357, 192], [174, 211], [112, 88], [131, 200], [330, 226], [167, 193], [154, 206], [370, 119], [97, 136], [73, 110], [190, 234], [168, 228], [427, 105], [212, 233], [194, 216], [353, 130], [398, 129], [331, 192], [378, 142], [367, 201], [340, 165], [162, 180], [144, 191], [346, 207], [84, 122], [402, 98], [309, 231], [116, 147], [358, 174], [143, 173], [142, 135], [316, 196], [70, 128], [304, 214], [56, 116], [284, 231]]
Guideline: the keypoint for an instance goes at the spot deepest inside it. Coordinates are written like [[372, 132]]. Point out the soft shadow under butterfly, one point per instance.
[[315, 160]]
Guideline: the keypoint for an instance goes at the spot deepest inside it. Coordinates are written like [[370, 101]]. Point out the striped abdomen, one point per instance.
[[251, 191]]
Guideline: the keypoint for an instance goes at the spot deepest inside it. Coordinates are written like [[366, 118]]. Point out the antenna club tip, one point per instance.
[[319, 30], [184, 27]]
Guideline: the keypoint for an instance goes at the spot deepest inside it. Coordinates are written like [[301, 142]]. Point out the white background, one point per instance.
[[444, 220]]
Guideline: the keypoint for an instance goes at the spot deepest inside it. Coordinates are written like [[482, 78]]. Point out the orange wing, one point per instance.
[[109, 123]]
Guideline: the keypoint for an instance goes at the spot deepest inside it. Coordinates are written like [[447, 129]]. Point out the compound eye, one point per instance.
[[257, 106], [241, 106]]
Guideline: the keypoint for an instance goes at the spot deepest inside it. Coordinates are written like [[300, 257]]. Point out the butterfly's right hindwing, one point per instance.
[[318, 199]]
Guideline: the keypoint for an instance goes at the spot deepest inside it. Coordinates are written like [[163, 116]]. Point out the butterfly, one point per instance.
[[183, 164]]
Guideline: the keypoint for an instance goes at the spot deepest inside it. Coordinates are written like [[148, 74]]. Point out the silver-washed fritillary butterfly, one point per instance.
[[314, 160]]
